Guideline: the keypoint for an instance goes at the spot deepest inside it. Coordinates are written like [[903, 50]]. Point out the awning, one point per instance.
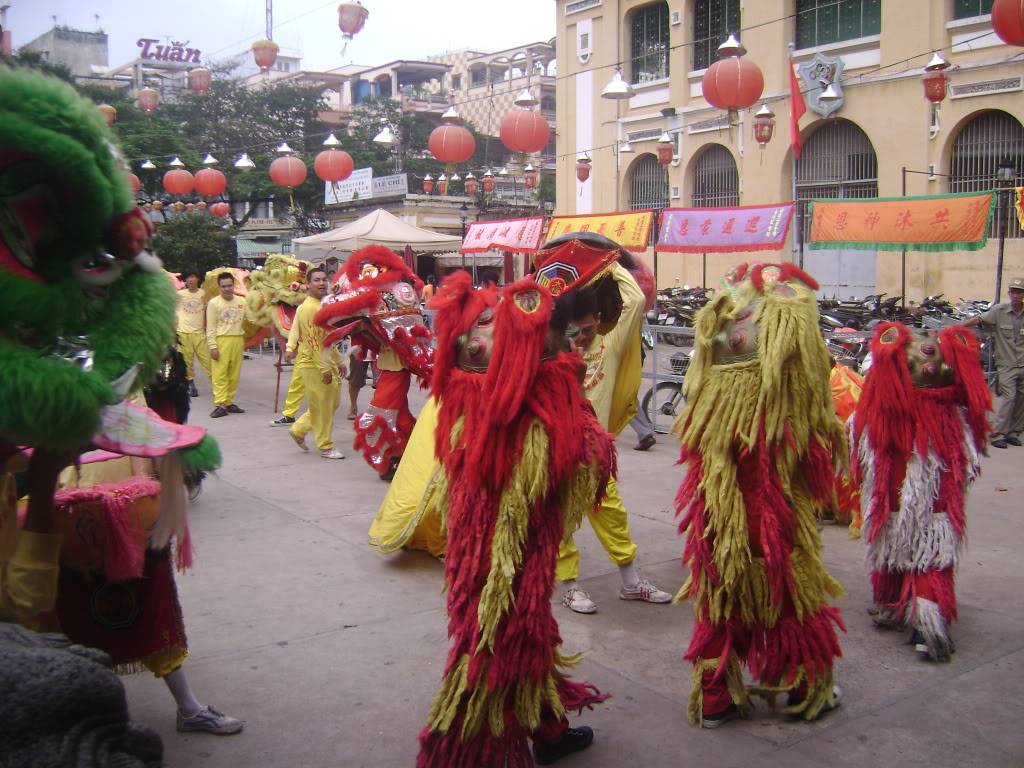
[[469, 259], [631, 230], [958, 222], [516, 235], [377, 227], [724, 230]]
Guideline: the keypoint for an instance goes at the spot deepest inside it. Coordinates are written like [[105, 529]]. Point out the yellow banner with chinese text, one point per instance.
[[630, 230], [933, 223]]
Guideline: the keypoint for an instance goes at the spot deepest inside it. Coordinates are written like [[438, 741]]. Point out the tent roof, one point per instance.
[[377, 227]]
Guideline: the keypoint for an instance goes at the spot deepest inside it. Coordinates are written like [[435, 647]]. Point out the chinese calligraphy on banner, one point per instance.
[[630, 230], [724, 230], [933, 223], [516, 235]]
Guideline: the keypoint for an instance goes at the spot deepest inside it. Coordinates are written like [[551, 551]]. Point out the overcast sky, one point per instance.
[[396, 29]]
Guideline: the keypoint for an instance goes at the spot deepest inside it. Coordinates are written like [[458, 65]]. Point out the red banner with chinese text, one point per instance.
[[516, 235], [724, 230], [630, 230], [933, 223]]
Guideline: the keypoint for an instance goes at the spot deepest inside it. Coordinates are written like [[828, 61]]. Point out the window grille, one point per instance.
[[649, 184], [713, 22], [477, 77], [977, 150], [837, 161], [716, 182], [965, 9], [649, 40], [820, 22]]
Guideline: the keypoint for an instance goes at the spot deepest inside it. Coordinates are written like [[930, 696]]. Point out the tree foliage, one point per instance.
[[194, 242]]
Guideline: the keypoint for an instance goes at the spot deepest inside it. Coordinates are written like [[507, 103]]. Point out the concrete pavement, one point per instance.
[[332, 653]]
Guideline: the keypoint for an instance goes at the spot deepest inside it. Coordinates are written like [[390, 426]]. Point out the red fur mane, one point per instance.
[[384, 257]]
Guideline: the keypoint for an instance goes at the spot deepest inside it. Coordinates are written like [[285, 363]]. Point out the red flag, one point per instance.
[[797, 108]]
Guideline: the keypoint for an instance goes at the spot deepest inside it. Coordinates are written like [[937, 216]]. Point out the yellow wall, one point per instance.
[[884, 97]]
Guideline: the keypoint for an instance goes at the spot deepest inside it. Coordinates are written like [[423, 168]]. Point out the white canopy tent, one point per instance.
[[375, 228]]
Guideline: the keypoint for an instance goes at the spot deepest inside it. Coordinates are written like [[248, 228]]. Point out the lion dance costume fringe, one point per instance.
[[917, 436], [523, 458], [758, 439]]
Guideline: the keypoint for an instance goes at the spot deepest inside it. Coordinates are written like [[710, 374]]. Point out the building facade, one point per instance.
[[873, 50]]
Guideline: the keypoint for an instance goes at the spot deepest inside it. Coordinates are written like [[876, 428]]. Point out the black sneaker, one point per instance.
[[573, 740], [1014, 440], [999, 442], [192, 391], [219, 411], [645, 443], [282, 421], [723, 717], [234, 409]]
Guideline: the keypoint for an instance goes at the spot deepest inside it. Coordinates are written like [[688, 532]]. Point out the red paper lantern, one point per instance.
[[264, 53], [583, 169], [333, 165], [178, 182], [1008, 21], [451, 143], [530, 176], [935, 83], [288, 172], [442, 185], [764, 125], [731, 83], [428, 184], [134, 181], [210, 182], [524, 131], [472, 185], [666, 151], [148, 99], [108, 112], [488, 183], [220, 210], [199, 79], [351, 17]]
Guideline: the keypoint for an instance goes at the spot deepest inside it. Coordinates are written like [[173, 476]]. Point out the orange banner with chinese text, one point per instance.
[[933, 223], [630, 230]]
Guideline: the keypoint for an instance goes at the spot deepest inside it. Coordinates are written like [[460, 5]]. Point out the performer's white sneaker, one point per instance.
[[645, 591], [333, 453], [578, 600], [210, 720], [299, 441]]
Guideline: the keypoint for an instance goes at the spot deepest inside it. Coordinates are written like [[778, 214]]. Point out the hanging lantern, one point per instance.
[[108, 112], [428, 184], [245, 163], [199, 79], [524, 131], [935, 84], [488, 183], [210, 182], [764, 125], [583, 169], [733, 82], [333, 165], [264, 53], [288, 172], [471, 184], [666, 148], [148, 99], [135, 182], [178, 182], [442, 185], [530, 176], [451, 142], [220, 210], [1008, 21], [351, 18]]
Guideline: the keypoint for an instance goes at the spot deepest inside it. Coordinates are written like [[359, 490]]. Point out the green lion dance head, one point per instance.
[[85, 311]]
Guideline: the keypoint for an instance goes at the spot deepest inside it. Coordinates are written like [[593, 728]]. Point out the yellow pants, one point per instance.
[[296, 392], [611, 526], [191, 346], [227, 369], [321, 403]]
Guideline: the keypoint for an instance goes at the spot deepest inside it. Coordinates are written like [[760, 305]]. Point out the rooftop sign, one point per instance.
[[174, 51]]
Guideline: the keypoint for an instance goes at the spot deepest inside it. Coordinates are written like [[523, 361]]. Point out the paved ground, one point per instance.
[[332, 653]]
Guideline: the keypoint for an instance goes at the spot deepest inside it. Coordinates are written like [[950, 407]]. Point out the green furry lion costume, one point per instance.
[[84, 310]]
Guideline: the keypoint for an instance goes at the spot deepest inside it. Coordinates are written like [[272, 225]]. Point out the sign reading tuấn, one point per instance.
[[174, 51]]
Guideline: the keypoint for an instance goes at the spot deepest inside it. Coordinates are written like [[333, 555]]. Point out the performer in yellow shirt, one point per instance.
[[224, 316], [320, 371], [191, 331]]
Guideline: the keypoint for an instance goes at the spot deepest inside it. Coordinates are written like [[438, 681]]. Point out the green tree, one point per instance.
[[194, 242]]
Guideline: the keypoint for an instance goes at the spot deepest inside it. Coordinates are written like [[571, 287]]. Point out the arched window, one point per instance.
[[649, 43], [648, 186], [982, 142], [716, 182], [713, 22]]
